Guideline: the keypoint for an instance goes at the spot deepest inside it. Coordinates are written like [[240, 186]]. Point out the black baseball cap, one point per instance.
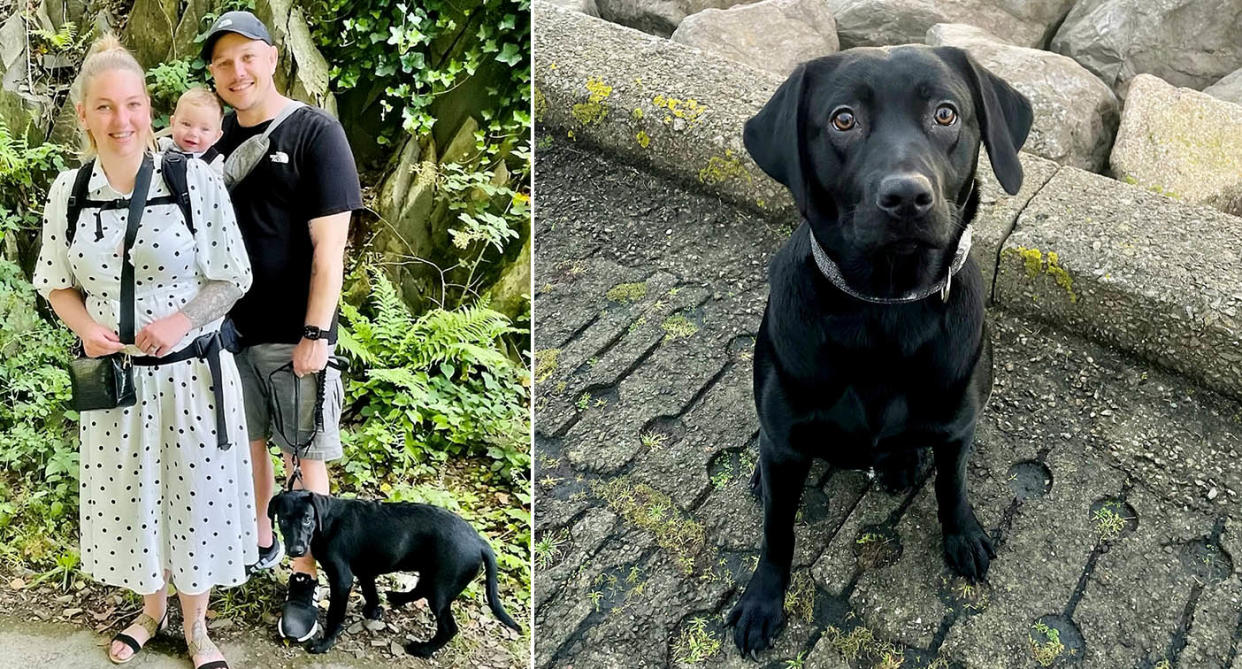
[[242, 23]]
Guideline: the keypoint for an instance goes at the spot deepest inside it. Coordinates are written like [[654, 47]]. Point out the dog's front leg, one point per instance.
[[340, 582], [967, 547], [759, 615]]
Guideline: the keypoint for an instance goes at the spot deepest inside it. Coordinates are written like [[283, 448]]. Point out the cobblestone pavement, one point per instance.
[[1111, 487]]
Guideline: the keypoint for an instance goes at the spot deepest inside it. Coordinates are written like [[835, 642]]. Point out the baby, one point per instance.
[[195, 126]]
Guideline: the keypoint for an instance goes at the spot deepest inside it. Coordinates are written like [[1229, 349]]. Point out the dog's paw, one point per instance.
[[969, 551], [758, 618], [320, 645], [756, 484], [419, 649], [373, 614]]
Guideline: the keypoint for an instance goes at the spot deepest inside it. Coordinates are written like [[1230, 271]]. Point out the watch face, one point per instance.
[[312, 332]]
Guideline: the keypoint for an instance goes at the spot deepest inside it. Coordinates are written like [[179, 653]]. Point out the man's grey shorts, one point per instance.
[[265, 387]]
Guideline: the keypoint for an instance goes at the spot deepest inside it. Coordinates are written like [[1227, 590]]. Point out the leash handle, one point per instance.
[[321, 378]]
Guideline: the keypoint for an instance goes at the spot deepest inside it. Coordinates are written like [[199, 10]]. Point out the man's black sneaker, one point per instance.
[[269, 557], [299, 619]]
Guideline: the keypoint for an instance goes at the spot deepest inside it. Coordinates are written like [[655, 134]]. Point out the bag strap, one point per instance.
[[174, 166], [77, 199], [285, 113], [137, 201], [210, 154]]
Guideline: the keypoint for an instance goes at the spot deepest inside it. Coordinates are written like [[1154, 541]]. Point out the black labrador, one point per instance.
[[353, 538], [873, 345]]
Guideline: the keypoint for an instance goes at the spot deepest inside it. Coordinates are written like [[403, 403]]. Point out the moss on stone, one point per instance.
[[678, 326], [1035, 263], [656, 513], [723, 168], [643, 139], [541, 104], [545, 363], [627, 292], [593, 111]]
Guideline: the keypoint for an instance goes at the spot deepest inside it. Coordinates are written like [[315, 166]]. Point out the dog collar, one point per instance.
[[833, 273]]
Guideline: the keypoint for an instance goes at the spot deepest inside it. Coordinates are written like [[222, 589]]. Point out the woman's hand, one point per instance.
[[159, 337], [98, 341]]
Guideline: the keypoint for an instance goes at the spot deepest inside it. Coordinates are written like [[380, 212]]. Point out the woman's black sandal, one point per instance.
[[147, 623], [195, 647]]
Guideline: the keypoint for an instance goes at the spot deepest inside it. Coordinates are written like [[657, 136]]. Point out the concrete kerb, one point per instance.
[[1091, 255]]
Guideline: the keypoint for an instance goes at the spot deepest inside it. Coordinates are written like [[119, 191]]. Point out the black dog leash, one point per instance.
[[300, 447]]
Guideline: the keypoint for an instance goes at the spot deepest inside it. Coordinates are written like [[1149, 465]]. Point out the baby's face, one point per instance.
[[195, 128]]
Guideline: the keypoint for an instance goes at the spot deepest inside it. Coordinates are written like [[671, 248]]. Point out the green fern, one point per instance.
[[434, 385]]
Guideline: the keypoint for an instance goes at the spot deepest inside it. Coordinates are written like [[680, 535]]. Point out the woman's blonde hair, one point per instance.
[[107, 54]]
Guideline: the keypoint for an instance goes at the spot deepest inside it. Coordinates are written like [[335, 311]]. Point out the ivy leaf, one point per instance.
[[507, 22], [510, 55]]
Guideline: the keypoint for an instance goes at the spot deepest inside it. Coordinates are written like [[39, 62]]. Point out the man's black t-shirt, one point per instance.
[[308, 172]]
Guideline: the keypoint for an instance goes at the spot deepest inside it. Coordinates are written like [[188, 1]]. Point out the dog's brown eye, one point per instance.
[[946, 115], [843, 120]]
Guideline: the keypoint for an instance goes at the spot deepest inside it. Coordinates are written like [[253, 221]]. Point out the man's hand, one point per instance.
[[98, 341], [159, 337], [310, 356]]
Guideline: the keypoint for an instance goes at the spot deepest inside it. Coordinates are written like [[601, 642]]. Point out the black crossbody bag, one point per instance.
[[107, 382]]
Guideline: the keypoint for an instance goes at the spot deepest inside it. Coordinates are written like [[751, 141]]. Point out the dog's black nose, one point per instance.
[[905, 195]]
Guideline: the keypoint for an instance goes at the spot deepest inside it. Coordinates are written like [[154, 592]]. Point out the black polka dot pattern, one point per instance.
[[149, 496]]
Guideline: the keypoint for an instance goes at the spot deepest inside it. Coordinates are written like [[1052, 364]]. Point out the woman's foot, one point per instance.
[[145, 626], [203, 653]]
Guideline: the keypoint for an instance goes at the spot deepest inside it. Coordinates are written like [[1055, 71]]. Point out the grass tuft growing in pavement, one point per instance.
[[861, 644], [800, 597], [1109, 521], [1049, 647], [627, 292], [545, 363], [678, 326], [695, 644], [653, 511]]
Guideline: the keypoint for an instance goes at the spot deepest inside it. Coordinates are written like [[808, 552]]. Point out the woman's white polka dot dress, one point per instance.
[[157, 494]]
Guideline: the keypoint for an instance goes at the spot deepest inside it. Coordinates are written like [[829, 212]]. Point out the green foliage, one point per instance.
[[412, 50], [489, 212], [25, 174], [38, 432], [166, 83], [64, 42], [435, 385]]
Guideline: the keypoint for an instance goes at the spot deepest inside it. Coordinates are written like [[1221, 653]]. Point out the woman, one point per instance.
[[161, 501]]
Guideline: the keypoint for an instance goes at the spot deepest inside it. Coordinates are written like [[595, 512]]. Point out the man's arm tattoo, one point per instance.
[[213, 301]]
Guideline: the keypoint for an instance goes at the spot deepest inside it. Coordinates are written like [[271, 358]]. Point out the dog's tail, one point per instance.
[[493, 596]]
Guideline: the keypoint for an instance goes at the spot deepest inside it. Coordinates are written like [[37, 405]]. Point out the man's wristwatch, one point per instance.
[[313, 332]]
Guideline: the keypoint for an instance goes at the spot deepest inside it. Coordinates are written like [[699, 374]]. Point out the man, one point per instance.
[[293, 210]]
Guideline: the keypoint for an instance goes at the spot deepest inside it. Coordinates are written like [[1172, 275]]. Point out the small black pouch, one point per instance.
[[102, 383], [107, 382]]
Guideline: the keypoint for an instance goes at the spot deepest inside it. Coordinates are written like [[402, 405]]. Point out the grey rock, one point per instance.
[[587, 7], [1133, 269], [774, 35], [1181, 143], [1076, 115], [1184, 42], [302, 71], [187, 29], [886, 22], [13, 67], [1229, 88], [149, 32], [658, 17]]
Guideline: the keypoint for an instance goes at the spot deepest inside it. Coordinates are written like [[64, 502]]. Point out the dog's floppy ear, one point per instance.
[[320, 504], [1005, 116], [774, 136], [272, 504]]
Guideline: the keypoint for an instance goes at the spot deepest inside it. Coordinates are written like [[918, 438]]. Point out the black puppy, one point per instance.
[[873, 344], [353, 538]]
